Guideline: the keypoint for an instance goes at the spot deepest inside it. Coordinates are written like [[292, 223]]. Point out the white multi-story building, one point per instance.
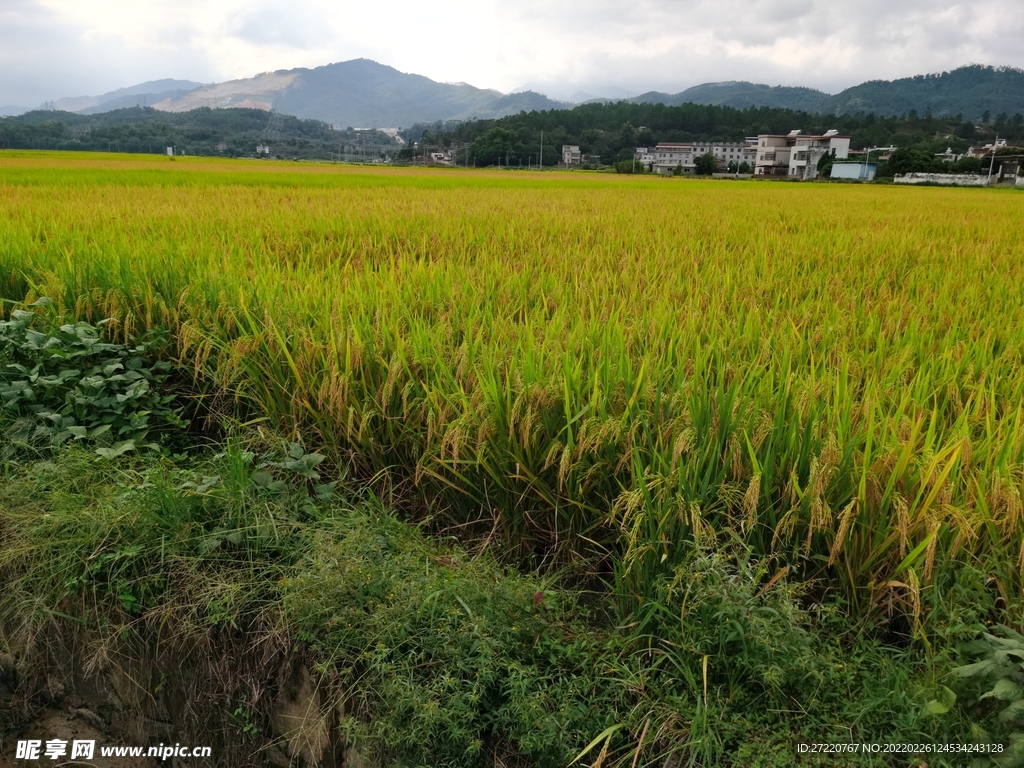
[[571, 155], [644, 156], [796, 155], [668, 156]]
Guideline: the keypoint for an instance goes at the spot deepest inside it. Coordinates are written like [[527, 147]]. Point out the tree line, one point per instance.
[[203, 131], [607, 134], [612, 132]]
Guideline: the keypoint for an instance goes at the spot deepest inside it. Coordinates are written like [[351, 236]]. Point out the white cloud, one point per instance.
[[54, 48], [44, 55], [276, 27]]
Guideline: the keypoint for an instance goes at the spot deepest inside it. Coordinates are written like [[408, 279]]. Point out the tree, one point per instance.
[[911, 161], [629, 166], [825, 164], [627, 136], [966, 165], [705, 165], [744, 167], [966, 130], [493, 146]]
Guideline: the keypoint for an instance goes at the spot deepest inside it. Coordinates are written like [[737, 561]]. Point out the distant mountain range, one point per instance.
[[364, 94], [144, 94], [360, 94], [970, 91], [738, 94]]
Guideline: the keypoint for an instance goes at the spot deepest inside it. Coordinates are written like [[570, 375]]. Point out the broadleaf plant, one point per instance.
[[1002, 663], [72, 383]]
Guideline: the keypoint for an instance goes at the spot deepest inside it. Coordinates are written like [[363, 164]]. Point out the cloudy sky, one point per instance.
[[55, 48]]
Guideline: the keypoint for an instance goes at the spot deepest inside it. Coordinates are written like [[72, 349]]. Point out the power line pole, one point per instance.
[[542, 149], [992, 162]]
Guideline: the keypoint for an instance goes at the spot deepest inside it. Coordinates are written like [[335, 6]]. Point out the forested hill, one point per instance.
[[976, 93], [203, 131], [973, 92], [740, 95]]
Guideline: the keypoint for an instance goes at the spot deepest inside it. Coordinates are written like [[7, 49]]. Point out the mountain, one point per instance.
[[134, 100], [142, 94], [11, 110], [969, 91], [364, 94], [572, 94], [740, 95], [583, 97], [360, 93]]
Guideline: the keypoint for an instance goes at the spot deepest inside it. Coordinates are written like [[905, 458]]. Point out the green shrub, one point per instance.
[[69, 383], [1001, 670], [630, 166]]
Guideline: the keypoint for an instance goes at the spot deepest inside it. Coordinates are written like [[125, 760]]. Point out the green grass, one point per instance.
[[436, 655]]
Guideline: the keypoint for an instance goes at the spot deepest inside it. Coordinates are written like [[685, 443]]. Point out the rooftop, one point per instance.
[[798, 135]]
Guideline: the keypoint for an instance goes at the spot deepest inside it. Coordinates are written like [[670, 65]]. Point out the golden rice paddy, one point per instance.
[[589, 363]]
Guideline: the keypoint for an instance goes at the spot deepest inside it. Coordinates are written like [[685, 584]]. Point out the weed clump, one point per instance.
[[69, 383]]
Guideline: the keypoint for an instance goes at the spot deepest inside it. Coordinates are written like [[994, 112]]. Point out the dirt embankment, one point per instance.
[[117, 705]]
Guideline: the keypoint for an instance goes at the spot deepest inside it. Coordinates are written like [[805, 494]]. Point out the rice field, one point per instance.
[[589, 366]]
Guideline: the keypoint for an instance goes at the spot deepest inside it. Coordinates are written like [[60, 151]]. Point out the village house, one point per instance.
[[796, 155], [667, 156], [571, 155], [949, 156], [645, 157], [443, 157], [980, 152]]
